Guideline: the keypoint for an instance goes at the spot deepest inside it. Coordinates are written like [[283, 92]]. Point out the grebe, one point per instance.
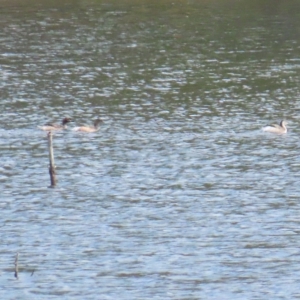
[[93, 128], [50, 126], [276, 128]]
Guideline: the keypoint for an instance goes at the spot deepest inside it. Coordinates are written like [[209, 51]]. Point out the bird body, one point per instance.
[[53, 126], [93, 128], [274, 128]]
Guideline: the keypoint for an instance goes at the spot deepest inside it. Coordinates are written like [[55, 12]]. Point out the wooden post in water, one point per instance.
[[17, 266], [51, 159]]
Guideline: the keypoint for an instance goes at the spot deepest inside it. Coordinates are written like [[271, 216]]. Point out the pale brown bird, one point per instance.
[[281, 128], [92, 128], [51, 126]]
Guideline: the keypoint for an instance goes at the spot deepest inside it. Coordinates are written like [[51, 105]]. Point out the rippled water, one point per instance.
[[180, 195]]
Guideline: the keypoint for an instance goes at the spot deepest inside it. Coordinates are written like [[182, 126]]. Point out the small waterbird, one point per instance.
[[51, 126], [281, 128], [92, 128]]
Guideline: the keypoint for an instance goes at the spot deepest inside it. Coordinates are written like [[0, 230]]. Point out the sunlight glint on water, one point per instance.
[[180, 195]]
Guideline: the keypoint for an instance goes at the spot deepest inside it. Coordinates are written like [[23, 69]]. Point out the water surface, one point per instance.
[[180, 195]]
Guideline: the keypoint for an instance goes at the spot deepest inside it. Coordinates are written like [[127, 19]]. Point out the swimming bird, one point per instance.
[[93, 128], [51, 126], [281, 128]]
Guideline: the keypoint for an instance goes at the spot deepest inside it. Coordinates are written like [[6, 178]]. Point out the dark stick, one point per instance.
[[51, 158], [16, 266]]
